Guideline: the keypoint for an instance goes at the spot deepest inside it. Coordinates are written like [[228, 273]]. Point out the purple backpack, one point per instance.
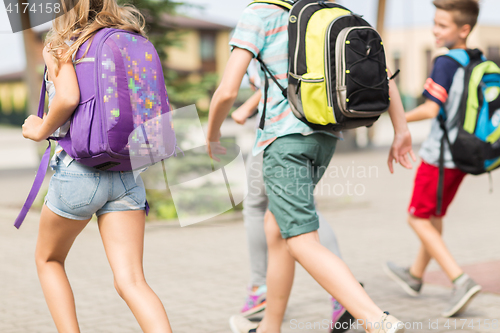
[[123, 121]]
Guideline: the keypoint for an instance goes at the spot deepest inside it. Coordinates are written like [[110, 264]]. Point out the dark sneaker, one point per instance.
[[341, 318], [403, 277], [462, 295]]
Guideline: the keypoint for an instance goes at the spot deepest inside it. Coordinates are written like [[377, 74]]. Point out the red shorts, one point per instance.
[[424, 200]]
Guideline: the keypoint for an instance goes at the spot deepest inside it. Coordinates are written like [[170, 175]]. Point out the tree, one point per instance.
[[154, 11], [181, 90], [33, 48], [381, 16]]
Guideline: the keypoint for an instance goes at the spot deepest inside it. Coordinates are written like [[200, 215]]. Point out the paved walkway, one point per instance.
[[200, 272], [17, 152]]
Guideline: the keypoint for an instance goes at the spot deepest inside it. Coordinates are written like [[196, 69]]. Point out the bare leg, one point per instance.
[[56, 235], [423, 257], [280, 274], [434, 245], [334, 276], [123, 238], [331, 273]]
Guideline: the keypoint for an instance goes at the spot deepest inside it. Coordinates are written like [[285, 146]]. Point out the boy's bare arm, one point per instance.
[[428, 110], [248, 108], [401, 145], [226, 93]]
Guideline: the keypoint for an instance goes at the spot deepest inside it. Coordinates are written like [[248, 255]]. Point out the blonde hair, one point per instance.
[[81, 19], [464, 11]]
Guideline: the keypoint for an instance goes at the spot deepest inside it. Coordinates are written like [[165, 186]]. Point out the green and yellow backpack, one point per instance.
[[474, 140], [337, 75]]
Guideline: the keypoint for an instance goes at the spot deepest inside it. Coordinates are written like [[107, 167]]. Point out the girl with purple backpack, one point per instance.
[[78, 191]]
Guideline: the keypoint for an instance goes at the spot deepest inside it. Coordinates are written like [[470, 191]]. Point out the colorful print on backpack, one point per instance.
[[123, 118]]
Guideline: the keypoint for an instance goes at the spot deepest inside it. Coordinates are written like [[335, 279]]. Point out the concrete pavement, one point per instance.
[[201, 272]]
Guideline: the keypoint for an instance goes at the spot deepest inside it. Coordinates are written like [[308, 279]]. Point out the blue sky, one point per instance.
[[400, 13]]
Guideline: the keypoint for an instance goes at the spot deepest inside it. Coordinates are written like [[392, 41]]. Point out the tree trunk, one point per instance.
[[380, 29], [33, 47], [381, 17]]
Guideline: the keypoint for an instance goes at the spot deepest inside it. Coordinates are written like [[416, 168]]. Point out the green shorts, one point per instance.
[[293, 165]]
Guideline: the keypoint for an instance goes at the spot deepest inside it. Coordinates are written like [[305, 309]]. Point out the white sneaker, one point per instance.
[[240, 324], [390, 324]]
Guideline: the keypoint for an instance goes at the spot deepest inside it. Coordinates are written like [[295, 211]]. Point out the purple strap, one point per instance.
[[40, 176], [41, 104], [42, 169]]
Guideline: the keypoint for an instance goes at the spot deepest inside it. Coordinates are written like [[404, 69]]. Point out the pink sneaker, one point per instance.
[[255, 302], [338, 310], [341, 318]]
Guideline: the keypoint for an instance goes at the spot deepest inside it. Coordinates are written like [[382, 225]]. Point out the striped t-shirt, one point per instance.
[[263, 30]]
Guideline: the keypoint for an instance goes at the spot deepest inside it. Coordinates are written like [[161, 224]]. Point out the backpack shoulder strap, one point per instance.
[[460, 56], [42, 170], [286, 4]]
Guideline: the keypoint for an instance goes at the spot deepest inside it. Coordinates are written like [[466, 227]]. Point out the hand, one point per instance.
[[401, 147], [31, 128], [239, 117], [214, 147]]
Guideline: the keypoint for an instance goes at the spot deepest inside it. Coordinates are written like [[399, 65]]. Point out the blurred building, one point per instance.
[[202, 47], [413, 51], [13, 98]]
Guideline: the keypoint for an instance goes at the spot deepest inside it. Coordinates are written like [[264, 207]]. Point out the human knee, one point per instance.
[[296, 244], [125, 283], [42, 259]]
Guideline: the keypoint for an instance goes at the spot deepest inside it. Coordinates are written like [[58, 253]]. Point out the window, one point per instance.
[[207, 51]]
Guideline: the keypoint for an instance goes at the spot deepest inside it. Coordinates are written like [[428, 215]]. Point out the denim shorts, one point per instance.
[[78, 192]]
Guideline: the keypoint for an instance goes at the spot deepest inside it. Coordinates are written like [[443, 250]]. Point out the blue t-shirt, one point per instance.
[[263, 30], [444, 87], [439, 83]]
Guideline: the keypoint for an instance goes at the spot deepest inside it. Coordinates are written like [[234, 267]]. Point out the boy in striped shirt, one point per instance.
[[295, 158]]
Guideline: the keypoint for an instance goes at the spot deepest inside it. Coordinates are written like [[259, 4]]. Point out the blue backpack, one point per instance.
[[475, 142]]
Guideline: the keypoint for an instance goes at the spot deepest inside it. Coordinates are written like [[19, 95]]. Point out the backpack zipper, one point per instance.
[[327, 60], [298, 34], [103, 119], [340, 66], [341, 73]]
